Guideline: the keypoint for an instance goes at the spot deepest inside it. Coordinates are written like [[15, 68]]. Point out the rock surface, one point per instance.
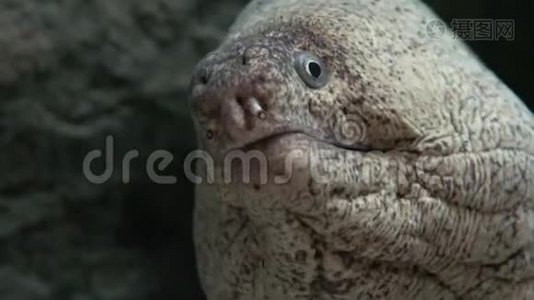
[[71, 73]]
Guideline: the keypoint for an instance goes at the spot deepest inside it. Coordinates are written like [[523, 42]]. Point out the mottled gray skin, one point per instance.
[[429, 192]]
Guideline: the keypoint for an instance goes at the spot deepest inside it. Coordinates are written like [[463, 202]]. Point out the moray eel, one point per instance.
[[399, 166]]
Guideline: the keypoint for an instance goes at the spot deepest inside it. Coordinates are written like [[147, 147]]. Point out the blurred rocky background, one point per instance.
[[75, 71]]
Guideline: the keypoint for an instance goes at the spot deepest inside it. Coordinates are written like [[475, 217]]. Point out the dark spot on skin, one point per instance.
[[246, 270], [301, 256], [318, 256], [262, 78], [374, 266], [314, 191], [347, 259], [338, 190]]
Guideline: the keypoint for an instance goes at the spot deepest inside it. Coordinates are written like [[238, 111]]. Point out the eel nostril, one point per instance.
[[253, 107], [256, 109], [204, 79], [210, 134], [241, 101], [203, 76]]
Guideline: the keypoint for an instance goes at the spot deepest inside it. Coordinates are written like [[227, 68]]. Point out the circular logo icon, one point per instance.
[[350, 130], [435, 29]]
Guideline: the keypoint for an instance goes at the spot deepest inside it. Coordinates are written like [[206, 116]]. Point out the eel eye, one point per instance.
[[311, 69]]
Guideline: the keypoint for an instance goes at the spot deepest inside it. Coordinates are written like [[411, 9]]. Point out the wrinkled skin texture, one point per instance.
[[427, 159]]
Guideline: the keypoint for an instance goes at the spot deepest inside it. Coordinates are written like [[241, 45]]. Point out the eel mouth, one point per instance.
[[263, 142], [264, 159], [277, 137]]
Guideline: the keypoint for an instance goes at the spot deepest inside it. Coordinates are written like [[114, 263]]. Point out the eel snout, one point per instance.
[[233, 100]]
